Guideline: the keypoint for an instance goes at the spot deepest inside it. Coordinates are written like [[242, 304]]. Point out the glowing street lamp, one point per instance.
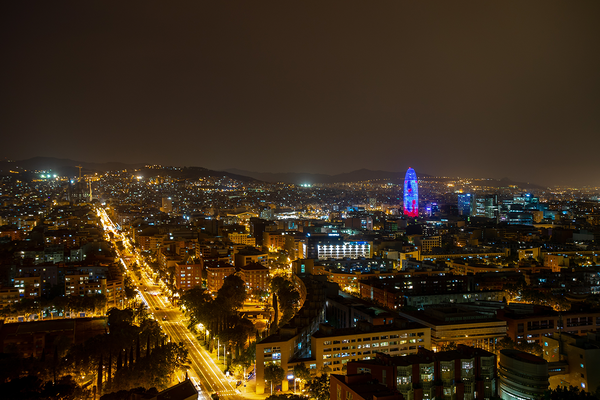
[[295, 380]]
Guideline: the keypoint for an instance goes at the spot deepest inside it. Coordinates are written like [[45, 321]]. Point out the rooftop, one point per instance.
[[254, 267], [365, 328], [217, 264], [522, 356], [181, 391], [449, 316], [365, 386]]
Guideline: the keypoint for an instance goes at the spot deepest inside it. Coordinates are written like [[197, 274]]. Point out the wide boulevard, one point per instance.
[[205, 374]]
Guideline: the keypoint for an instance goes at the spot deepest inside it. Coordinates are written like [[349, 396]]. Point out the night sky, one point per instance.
[[470, 89]]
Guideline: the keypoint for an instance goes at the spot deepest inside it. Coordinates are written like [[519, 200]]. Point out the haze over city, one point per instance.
[[464, 89]]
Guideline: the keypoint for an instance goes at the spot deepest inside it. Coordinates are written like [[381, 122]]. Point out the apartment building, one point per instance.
[[573, 360], [188, 276], [459, 325], [216, 272], [359, 387], [542, 322], [255, 276], [333, 348], [464, 373]]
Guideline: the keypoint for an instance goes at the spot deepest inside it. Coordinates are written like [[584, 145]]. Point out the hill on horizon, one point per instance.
[[362, 175], [65, 166], [300, 178], [68, 167]]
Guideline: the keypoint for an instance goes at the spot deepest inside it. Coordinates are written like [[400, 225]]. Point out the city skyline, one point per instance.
[[490, 90], [137, 278]]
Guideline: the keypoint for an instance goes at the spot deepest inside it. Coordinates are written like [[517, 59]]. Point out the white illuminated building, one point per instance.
[[344, 250]]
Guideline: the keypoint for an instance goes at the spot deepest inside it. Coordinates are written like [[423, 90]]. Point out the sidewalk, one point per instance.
[[250, 393]]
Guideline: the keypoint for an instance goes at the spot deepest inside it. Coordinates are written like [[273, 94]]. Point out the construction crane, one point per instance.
[[79, 166]]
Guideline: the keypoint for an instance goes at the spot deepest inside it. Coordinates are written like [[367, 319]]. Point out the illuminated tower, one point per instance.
[[411, 194]]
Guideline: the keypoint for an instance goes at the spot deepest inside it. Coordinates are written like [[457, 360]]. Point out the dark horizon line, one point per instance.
[[427, 175]]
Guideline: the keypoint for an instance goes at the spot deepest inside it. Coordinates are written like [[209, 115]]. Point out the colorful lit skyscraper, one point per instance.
[[411, 194]]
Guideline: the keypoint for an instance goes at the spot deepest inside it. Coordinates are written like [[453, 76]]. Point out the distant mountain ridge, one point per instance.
[[65, 166], [299, 178], [524, 185], [68, 167], [362, 175]]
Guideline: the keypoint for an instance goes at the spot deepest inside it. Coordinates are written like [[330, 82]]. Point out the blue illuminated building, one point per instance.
[[411, 194], [466, 203]]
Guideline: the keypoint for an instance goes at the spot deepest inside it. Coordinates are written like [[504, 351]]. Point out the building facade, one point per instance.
[[573, 360], [466, 204], [536, 326], [250, 255], [359, 387], [255, 276], [333, 348], [411, 194], [458, 325], [242, 238], [464, 373], [216, 272], [188, 276], [521, 376], [345, 249]]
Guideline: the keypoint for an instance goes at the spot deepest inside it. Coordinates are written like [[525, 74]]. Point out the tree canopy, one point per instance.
[[233, 293], [287, 295], [273, 374], [571, 393], [508, 343], [318, 388], [302, 372], [112, 353], [31, 387]]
